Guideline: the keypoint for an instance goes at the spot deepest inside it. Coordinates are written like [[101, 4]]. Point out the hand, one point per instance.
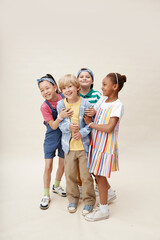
[[66, 112], [87, 119], [77, 136], [90, 112], [74, 127]]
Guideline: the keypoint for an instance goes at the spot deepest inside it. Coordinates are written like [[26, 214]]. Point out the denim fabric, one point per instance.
[[84, 130], [52, 139]]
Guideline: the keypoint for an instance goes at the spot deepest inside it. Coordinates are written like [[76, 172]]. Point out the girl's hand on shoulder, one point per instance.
[[87, 119], [77, 136], [66, 113], [90, 112]]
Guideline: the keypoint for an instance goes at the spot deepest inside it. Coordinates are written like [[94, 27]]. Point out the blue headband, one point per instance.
[[46, 79], [85, 70]]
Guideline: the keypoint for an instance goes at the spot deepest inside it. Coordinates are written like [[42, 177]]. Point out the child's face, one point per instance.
[[70, 91], [85, 79], [48, 90], [107, 87]]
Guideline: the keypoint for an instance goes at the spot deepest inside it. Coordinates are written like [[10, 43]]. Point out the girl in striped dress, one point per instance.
[[86, 80], [103, 152]]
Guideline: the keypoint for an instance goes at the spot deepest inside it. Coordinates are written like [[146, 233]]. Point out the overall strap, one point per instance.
[[62, 95], [49, 104]]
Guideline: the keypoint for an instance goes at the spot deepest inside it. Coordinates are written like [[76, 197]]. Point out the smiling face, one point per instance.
[[108, 87], [70, 91], [85, 79], [48, 90]]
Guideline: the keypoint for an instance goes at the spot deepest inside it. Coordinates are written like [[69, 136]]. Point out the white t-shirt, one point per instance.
[[117, 110]]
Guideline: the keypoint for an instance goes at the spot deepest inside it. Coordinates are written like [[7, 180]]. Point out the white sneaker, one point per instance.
[[59, 190], [80, 191], [45, 202], [111, 196], [96, 215]]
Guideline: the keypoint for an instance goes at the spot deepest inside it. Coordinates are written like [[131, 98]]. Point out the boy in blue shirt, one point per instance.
[[75, 144]]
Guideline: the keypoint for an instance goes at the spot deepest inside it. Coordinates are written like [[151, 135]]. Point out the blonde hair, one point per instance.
[[66, 80]]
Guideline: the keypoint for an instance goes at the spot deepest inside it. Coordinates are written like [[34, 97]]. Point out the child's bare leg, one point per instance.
[[102, 212], [60, 169], [56, 187], [103, 187], [46, 179], [47, 172]]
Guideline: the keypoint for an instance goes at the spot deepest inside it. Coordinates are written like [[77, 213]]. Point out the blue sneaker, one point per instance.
[[87, 209], [72, 207]]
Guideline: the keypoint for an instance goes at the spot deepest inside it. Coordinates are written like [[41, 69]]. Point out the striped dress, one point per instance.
[[103, 150]]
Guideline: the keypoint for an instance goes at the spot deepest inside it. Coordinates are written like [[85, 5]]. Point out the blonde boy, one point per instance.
[[75, 144]]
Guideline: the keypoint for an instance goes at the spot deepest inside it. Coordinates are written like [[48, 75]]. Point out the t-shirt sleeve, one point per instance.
[[98, 103], [117, 110], [46, 112]]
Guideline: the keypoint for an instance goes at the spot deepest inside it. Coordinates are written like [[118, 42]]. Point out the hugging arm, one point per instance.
[[65, 123]]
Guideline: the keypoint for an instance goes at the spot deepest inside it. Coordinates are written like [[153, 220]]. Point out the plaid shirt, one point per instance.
[[66, 132]]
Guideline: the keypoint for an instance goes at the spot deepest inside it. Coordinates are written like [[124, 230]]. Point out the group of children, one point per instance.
[[83, 126]]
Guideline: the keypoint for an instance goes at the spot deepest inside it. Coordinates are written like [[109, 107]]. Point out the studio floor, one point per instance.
[[133, 215]]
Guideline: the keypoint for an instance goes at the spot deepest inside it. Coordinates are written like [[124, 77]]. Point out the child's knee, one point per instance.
[[48, 167]]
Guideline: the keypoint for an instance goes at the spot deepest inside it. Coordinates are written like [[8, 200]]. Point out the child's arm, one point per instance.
[[83, 132], [102, 127], [65, 124], [64, 113]]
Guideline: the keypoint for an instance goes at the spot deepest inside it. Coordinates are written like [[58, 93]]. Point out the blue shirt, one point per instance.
[[84, 129]]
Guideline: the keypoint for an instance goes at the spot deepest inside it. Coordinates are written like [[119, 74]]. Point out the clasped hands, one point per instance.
[[74, 127], [89, 113]]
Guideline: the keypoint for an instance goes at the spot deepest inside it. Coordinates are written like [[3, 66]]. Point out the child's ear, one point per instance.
[[55, 87], [115, 87], [78, 89]]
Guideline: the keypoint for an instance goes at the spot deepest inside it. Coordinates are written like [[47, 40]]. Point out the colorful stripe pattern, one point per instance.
[[103, 149]]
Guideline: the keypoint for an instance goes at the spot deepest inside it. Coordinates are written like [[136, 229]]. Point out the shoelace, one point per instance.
[[60, 188], [45, 200]]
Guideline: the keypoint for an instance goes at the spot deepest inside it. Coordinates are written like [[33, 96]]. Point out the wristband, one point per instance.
[[89, 124], [59, 117]]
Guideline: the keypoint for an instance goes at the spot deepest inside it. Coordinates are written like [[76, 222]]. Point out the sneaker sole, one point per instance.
[[111, 199], [72, 211], [62, 195], [96, 219], [44, 208], [84, 214]]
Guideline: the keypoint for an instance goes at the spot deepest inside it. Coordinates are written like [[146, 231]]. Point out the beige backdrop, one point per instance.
[[59, 37]]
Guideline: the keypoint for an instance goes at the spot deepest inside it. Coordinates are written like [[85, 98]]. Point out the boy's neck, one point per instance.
[[86, 90], [73, 100]]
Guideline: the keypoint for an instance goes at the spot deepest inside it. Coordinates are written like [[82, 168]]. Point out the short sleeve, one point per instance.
[[118, 110], [97, 105], [46, 112]]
